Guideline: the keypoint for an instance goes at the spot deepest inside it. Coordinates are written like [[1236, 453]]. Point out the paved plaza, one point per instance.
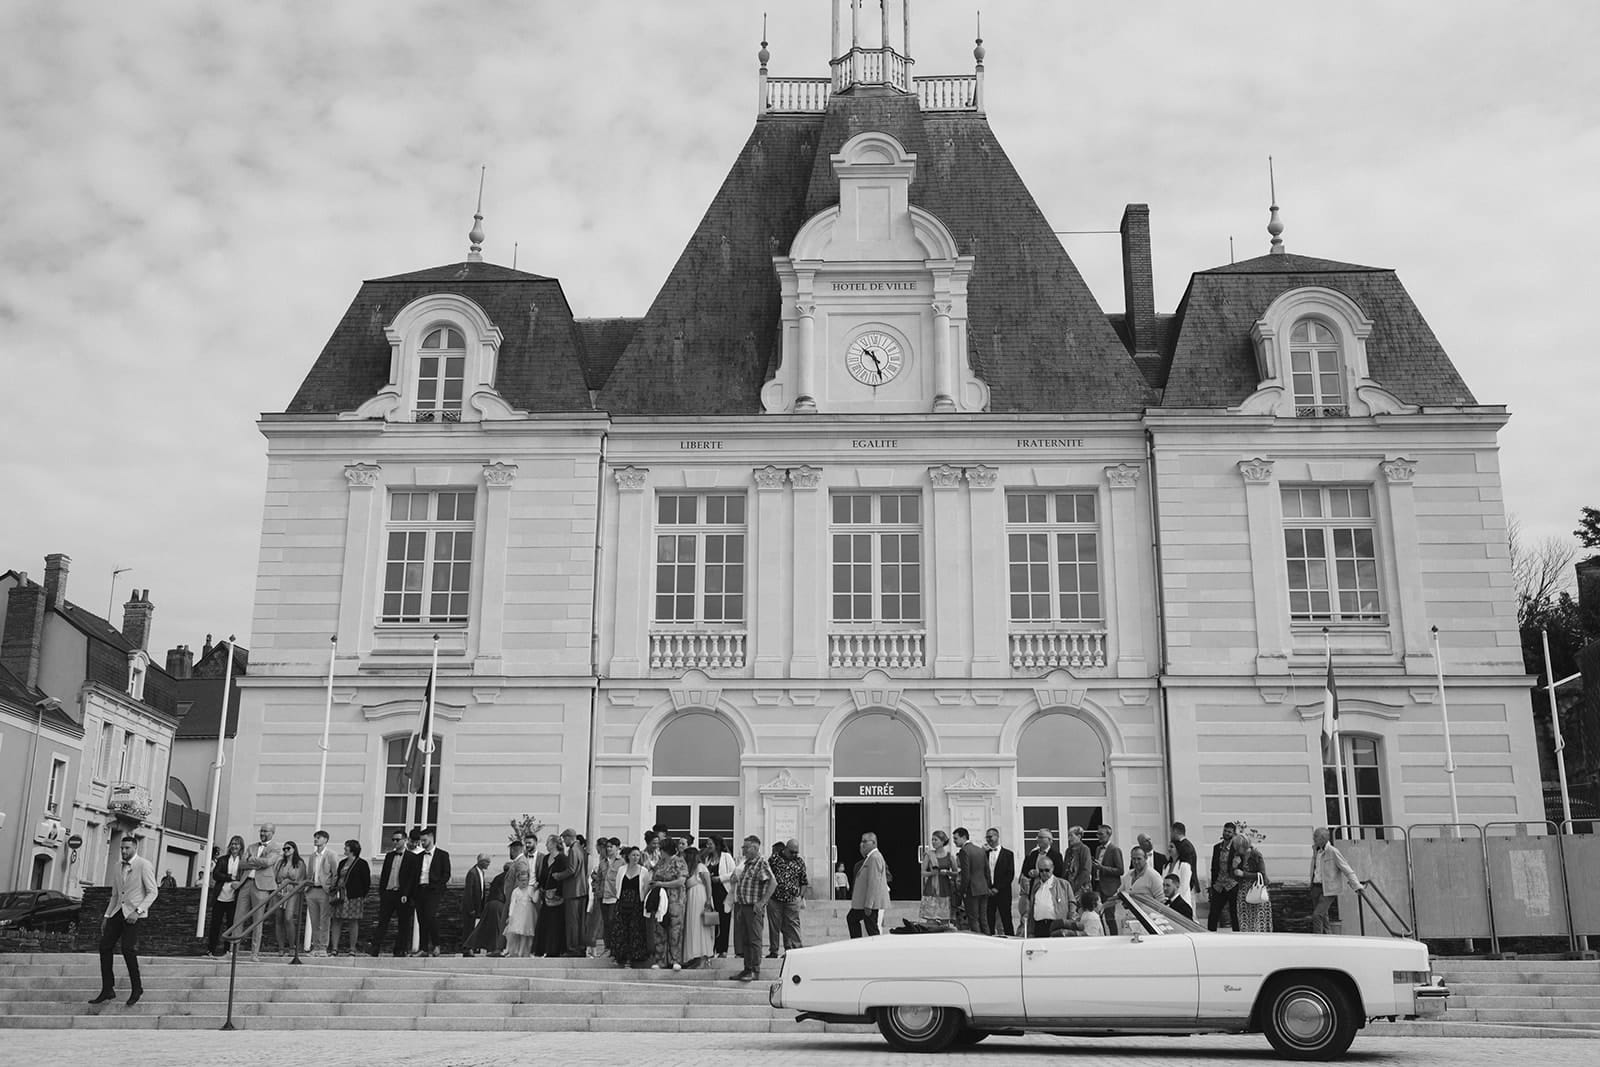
[[347, 1048]]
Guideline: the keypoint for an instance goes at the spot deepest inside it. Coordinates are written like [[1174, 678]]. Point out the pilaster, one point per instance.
[[771, 573], [358, 594], [810, 573], [986, 512], [1410, 609], [1262, 512], [1123, 561], [628, 658], [949, 596], [497, 479]]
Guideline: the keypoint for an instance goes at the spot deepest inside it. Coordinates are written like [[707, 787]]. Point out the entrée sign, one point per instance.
[[876, 790]]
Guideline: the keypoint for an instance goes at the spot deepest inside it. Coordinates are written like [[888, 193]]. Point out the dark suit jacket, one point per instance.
[[1005, 871], [1186, 854], [410, 875], [472, 893], [1057, 864], [219, 874], [1079, 867], [1219, 861], [1108, 871], [389, 880], [973, 863], [1181, 906], [439, 872]]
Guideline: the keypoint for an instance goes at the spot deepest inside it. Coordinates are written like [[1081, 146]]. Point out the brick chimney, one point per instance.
[[1138, 279], [56, 565], [136, 614], [180, 662], [24, 630]]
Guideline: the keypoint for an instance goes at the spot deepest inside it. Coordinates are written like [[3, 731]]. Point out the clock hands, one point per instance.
[[872, 354]]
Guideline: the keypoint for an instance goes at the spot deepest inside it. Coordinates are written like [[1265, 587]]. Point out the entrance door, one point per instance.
[[899, 830], [694, 819]]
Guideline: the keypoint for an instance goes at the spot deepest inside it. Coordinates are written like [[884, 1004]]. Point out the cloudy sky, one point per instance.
[[194, 191]]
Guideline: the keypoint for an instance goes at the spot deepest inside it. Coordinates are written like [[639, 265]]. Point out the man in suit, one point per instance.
[[1002, 872], [870, 894], [322, 867], [1108, 871], [972, 881], [1044, 845], [1156, 860], [1220, 889], [1183, 852], [575, 892], [423, 877], [1079, 868], [389, 896], [133, 893], [259, 881], [474, 895]]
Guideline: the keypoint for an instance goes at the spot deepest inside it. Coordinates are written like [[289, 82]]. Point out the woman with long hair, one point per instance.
[[292, 876], [699, 940], [225, 876], [719, 865], [349, 897], [628, 938], [1249, 869], [550, 932], [938, 878]]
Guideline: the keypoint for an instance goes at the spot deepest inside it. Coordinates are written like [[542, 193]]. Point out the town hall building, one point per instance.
[[876, 520]]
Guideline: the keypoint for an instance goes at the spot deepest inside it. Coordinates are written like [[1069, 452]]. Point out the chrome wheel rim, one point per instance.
[[1305, 1017], [915, 1021]]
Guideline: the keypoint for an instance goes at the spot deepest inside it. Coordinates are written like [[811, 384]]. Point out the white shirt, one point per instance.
[[320, 868], [427, 861], [231, 886], [1044, 901], [994, 857]]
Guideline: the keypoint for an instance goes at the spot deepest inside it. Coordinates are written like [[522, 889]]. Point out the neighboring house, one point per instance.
[[876, 520], [41, 751], [198, 689], [124, 705]]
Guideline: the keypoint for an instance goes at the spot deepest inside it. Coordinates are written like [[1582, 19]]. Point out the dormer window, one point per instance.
[[138, 666], [441, 376], [1315, 368]]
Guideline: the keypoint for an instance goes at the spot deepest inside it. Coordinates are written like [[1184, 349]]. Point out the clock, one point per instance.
[[874, 359]]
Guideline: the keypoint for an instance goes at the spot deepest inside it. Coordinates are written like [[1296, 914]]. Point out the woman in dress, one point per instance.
[[938, 878], [350, 884], [1249, 868], [627, 938], [699, 940], [519, 911], [549, 932], [719, 866], [292, 877]]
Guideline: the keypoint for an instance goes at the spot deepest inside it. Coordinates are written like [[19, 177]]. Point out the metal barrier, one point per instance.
[[1580, 855], [1527, 880], [1378, 854], [1449, 881]]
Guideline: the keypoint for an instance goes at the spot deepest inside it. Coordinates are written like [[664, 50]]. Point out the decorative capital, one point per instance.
[[944, 307], [1399, 471], [498, 473], [631, 478], [1123, 476], [945, 476], [1256, 470], [804, 477], [769, 477], [981, 477], [362, 474], [805, 309]]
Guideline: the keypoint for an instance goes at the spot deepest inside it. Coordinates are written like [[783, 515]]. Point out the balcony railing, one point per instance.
[[128, 799], [948, 92], [436, 415], [1321, 411], [944, 92], [185, 820], [900, 649], [679, 650], [1048, 649], [798, 94]]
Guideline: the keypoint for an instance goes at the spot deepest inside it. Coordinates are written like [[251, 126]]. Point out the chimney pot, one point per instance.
[[56, 565], [136, 616], [24, 631], [1138, 279], [180, 662]]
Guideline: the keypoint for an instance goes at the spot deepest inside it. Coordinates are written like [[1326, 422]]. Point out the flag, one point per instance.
[[420, 745], [1330, 717]]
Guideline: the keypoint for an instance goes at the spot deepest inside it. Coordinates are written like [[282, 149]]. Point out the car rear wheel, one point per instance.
[[919, 1027], [1308, 1017]]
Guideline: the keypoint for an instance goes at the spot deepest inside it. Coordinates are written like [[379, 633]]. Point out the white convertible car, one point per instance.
[[1162, 975]]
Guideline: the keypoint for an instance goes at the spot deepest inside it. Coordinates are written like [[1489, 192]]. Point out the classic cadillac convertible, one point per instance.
[[1162, 974]]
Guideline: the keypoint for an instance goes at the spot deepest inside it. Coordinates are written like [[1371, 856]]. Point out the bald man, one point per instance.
[[474, 893]]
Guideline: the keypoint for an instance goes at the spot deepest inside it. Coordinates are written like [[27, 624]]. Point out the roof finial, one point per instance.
[[764, 55], [514, 245], [475, 250], [979, 52], [1274, 224]]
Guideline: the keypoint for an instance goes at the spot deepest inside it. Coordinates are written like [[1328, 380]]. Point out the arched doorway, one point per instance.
[[695, 777], [1061, 777], [40, 878], [877, 788]]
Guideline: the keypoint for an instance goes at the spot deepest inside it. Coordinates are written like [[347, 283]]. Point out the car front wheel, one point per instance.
[[1308, 1017], [919, 1028]]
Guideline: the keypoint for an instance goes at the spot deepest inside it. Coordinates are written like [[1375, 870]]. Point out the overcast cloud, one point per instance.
[[194, 191]]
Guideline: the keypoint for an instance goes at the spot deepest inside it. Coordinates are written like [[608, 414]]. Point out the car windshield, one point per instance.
[[1158, 918]]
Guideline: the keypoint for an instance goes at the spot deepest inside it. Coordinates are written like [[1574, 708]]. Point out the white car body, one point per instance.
[[1171, 977]]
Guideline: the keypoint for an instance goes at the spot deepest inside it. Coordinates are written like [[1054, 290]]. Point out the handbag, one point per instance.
[[709, 917], [1257, 893]]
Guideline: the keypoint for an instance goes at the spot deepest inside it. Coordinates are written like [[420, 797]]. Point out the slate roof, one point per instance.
[[204, 697], [1213, 361], [604, 341], [540, 366], [15, 692], [1036, 334]]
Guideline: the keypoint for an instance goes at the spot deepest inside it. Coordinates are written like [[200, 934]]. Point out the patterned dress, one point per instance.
[[349, 909], [1253, 918], [627, 939], [938, 876]]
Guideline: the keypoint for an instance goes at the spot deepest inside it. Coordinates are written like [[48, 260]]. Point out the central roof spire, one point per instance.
[[863, 64]]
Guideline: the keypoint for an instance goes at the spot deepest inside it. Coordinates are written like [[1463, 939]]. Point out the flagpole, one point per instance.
[[1334, 739], [1449, 754], [322, 775], [427, 740], [216, 793], [1555, 724]]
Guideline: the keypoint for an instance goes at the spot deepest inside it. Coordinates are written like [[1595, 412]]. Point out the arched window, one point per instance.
[[1314, 364], [178, 793], [877, 747], [1061, 776], [695, 776], [441, 375]]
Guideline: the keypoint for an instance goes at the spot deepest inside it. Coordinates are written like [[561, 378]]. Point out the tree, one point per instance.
[[1588, 531], [1539, 571]]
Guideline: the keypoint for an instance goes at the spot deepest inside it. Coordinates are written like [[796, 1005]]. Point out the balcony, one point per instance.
[[129, 801], [436, 415], [1045, 650], [680, 650], [180, 818], [890, 650]]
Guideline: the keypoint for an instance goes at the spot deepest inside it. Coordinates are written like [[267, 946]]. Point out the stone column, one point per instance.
[[497, 480], [806, 374], [810, 574], [358, 585], [630, 656], [1122, 555], [944, 371], [1410, 610], [769, 573], [1267, 578], [986, 504], [947, 629]]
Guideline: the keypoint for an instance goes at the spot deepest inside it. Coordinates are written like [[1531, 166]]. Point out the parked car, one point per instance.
[[1160, 974], [37, 909]]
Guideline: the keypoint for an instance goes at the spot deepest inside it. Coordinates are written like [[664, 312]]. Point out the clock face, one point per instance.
[[874, 359]]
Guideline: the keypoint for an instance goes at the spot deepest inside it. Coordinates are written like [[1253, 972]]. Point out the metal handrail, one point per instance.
[[253, 920], [1342, 833], [1362, 903]]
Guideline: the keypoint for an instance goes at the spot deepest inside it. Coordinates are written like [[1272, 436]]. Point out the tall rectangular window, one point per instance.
[[125, 761], [108, 739], [58, 782], [877, 557], [441, 376], [700, 561], [152, 772], [1315, 368], [1363, 782], [402, 800], [1330, 545], [1054, 544], [428, 571]]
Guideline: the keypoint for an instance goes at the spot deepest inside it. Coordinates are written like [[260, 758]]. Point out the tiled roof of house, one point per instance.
[[15, 692], [540, 365], [1213, 361], [604, 341], [204, 699]]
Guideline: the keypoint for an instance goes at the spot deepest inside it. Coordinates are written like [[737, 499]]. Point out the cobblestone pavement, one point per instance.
[[349, 1048]]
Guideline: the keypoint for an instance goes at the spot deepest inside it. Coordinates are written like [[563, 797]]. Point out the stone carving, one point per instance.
[[1399, 470], [803, 477], [970, 783], [943, 307], [982, 477], [769, 477], [786, 782], [805, 310], [498, 473], [1256, 470], [366, 474], [631, 478], [1123, 476], [944, 476]]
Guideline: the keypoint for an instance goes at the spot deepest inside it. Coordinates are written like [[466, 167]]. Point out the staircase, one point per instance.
[[1512, 998]]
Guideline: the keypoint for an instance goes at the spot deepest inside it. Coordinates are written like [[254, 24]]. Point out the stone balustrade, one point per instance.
[[1049, 649], [679, 650], [948, 92], [889, 649]]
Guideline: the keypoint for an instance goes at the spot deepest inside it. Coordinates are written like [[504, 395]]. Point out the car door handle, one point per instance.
[[1030, 953]]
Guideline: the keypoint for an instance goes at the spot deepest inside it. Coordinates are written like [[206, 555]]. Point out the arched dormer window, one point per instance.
[[1316, 371], [441, 376]]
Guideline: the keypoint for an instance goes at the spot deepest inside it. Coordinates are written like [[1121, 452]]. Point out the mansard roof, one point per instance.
[[540, 366], [1213, 363], [1036, 334]]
